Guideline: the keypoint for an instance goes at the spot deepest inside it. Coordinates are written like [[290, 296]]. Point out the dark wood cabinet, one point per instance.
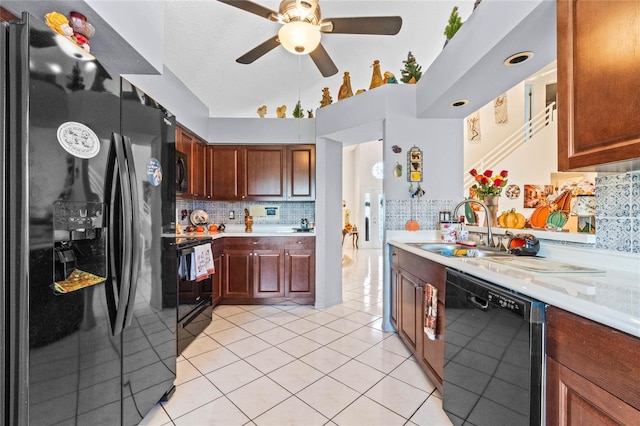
[[268, 265], [394, 288], [592, 372], [300, 269], [268, 270], [195, 150], [264, 172], [598, 102], [217, 247], [301, 172], [237, 277], [261, 172], [411, 291], [410, 275], [225, 168]]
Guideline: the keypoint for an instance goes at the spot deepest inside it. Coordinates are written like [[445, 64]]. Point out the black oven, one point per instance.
[[194, 297], [181, 172]]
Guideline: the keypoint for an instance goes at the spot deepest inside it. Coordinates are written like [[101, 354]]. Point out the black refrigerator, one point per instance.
[[88, 300]]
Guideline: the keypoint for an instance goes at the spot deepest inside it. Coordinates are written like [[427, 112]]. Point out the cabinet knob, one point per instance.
[[254, 242], [298, 242]]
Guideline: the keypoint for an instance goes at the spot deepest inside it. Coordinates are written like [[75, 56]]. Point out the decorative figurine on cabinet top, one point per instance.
[[262, 111], [326, 98], [376, 78], [389, 78], [345, 90], [281, 111], [309, 113]]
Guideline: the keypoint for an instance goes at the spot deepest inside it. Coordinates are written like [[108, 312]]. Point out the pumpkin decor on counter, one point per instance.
[[556, 220], [539, 216], [511, 219]]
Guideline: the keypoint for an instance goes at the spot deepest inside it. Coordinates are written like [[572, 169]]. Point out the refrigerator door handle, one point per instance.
[[136, 255], [118, 194]]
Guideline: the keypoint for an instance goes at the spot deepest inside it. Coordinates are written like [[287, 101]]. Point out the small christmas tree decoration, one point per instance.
[[326, 98], [412, 70], [455, 22], [298, 112]]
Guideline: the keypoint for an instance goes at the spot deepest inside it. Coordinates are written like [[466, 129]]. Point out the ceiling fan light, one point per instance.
[[299, 37]]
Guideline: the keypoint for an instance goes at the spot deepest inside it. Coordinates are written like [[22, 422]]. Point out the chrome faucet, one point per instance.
[[486, 211]]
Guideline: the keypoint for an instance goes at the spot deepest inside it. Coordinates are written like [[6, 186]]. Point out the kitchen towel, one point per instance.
[[431, 311], [204, 261]]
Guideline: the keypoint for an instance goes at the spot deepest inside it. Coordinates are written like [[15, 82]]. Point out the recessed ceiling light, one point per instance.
[[517, 58], [461, 102]]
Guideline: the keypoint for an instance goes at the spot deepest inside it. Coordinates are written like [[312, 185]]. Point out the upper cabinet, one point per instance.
[[301, 172], [598, 86], [195, 150], [261, 172]]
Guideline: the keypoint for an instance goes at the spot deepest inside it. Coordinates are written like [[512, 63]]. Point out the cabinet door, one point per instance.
[[394, 308], [225, 164], [411, 312], [574, 400], [300, 273], [264, 172], [301, 172], [217, 277], [237, 271], [267, 273], [198, 167], [598, 102]]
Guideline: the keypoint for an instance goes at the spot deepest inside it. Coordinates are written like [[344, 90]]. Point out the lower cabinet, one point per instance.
[[268, 270], [592, 372], [300, 269], [217, 247], [410, 275]]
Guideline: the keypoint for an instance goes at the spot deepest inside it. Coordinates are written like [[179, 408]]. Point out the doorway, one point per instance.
[[372, 208]]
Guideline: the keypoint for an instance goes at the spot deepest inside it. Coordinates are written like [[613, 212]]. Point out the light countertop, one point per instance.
[[611, 297]]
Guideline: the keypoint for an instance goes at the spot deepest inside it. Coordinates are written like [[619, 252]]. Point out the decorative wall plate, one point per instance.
[[512, 192]]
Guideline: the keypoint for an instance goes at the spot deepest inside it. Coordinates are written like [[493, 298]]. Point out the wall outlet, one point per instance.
[[232, 214]]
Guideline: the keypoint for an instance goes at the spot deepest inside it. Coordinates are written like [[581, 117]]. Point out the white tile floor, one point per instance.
[[296, 365]]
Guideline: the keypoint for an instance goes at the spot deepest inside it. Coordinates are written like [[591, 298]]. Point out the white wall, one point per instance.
[[442, 151]]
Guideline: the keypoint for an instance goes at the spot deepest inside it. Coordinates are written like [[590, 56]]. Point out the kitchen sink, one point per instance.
[[447, 249]]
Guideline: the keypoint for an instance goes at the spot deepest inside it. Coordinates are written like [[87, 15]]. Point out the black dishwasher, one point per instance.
[[494, 354]]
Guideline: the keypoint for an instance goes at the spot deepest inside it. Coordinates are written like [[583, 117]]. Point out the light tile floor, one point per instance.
[[297, 365]]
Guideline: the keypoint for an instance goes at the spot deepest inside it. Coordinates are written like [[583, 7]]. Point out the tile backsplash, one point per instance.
[[618, 212], [426, 212], [290, 212]]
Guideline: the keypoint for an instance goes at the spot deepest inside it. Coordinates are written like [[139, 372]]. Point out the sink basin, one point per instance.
[[446, 249]]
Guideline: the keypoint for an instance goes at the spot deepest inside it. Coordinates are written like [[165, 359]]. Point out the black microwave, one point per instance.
[[181, 172]]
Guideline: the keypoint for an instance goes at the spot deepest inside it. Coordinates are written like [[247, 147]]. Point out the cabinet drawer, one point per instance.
[[426, 270], [251, 243], [291, 243]]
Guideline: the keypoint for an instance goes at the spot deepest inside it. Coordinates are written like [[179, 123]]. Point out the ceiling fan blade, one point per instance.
[[259, 50], [379, 25], [254, 8], [323, 61]]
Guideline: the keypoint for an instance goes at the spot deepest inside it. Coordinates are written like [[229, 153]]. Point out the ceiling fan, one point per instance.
[[302, 27]]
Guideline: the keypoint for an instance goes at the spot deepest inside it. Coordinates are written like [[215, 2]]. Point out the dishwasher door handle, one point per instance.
[[479, 303]]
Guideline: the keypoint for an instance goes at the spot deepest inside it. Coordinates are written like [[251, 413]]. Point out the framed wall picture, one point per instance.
[[414, 165]]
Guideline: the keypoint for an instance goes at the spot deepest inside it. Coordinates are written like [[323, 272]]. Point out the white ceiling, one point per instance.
[[203, 38]]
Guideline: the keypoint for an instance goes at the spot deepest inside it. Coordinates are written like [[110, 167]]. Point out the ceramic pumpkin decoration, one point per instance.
[[556, 220], [539, 216]]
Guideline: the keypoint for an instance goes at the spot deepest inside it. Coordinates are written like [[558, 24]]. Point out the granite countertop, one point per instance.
[[611, 297]]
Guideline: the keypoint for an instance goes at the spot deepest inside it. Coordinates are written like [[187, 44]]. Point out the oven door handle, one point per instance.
[[479, 303]]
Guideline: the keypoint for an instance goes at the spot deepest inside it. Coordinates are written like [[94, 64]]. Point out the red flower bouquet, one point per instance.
[[487, 184]]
